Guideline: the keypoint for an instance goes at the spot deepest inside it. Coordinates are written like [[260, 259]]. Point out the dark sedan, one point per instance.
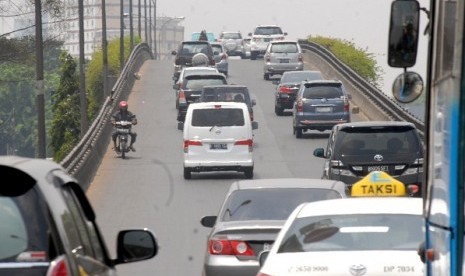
[[287, 87], [252, 214]]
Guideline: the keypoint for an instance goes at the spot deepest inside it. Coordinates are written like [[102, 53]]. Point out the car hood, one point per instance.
[[344, 263]]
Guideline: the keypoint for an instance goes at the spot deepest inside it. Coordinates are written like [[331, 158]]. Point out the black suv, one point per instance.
[[48, 226], [185, 52], [228, 93], [358, 148]]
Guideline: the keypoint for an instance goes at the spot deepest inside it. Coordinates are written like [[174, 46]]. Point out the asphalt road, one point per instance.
[[148, 189]]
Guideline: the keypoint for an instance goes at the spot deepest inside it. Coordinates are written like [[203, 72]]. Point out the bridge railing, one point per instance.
[[83, 161]]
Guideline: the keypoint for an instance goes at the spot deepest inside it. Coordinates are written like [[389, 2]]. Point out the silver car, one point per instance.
[[262, 35], [251, 216], [233, 43], [282, 56], [221, 57]]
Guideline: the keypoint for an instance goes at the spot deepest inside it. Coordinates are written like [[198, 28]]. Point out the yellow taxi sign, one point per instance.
[[378, 184]]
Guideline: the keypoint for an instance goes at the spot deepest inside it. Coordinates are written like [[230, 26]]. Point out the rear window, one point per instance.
[[388, 140], [268, 31], [195, 48], [284, 48], [322, 92], [271, 204], [218, 117], [217, 48], [198, 84], [211, 95], [231, 36], [24, 227]]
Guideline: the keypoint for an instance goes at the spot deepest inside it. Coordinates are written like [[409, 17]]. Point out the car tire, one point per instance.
[[248, 172], [278, 110], [298, 133], [253, 56], [266, 76], [187, 173]]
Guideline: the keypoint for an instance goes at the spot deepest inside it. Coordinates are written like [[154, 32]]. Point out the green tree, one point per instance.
[[359, 60], [65, 132]]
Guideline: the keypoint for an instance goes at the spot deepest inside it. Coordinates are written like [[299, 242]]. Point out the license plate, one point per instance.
[[284, 61], [267, 39], [324, 109], [218, 146], [378, 168], [123, 130]]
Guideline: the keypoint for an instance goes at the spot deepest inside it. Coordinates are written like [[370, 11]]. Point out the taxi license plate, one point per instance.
[[324, 109], [218, 146], [378, 168]]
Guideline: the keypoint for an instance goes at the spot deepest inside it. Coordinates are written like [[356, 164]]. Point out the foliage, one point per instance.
[[18, 100], [94, 79], [360, 60], [65, 132]]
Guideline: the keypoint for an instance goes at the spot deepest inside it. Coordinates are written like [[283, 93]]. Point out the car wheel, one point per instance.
[[266, 76], [279, 111], [187, 173], [253, 56], [298, 133], [248, 172]]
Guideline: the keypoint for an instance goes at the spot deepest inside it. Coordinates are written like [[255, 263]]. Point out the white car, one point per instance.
[[195, 70], [261, 36], [218, 136], [352, 236]]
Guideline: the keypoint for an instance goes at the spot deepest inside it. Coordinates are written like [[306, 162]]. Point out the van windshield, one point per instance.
[[218, 117]]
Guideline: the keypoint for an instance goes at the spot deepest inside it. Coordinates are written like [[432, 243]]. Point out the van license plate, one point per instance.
[[378, 168], [218, 146]]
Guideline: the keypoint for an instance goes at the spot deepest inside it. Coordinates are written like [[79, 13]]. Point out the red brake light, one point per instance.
[[300, 106], [248, 142], [262, 274], [188, 143], [182, 97], [346, 104], [230, 247], [285, 89], [58, 267]]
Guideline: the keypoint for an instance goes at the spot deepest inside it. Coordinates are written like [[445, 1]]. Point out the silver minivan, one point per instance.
[[218, 136], [282, 56]]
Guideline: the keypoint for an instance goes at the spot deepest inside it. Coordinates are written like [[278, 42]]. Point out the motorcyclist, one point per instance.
[[123, 114]]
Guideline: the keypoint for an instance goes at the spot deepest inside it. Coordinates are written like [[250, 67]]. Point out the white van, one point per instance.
[[218, 137]]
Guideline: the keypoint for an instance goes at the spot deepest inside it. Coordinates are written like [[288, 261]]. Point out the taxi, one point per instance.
[[375, 232]]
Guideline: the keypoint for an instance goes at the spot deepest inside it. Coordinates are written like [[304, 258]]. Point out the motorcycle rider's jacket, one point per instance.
[[124, 116]]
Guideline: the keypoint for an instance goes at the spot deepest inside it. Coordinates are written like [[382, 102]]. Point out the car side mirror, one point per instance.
[[319, 152], [407, 87], [208, 221], [285, 33], [254, 102], [254, 125], [135, 245], [250, 34], [403, 33], [180, 125], [173, 53]]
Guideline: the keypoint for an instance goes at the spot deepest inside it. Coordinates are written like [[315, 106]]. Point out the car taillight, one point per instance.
[[267, 58], [58, 267], [224, 57], [301, 58], [212, 62], [188, 143], [229, 247], [248, 142], [182, 97], [262, 274], [300, 106], [346, 104], [285, 90]]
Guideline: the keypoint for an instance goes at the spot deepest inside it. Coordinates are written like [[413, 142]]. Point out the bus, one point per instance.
[[444, 86]]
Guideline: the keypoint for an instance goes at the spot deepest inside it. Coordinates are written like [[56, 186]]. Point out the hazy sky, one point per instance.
[[364, 22]]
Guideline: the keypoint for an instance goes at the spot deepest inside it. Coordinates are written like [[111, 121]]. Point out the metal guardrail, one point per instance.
[[83, 161], [382, 103]]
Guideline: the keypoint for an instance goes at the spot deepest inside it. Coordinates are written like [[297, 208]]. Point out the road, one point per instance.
[[148, 188]]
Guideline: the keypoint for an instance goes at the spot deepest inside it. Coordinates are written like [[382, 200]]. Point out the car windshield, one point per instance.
[[391, 140], [24, 228], [322, 92], [268, 31], [198, 84], [271, 204], [218, 117], [353, 232], [231, 36], [284, 48]]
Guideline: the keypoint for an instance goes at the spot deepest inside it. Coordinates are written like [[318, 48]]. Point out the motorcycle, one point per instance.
[[123, 130]]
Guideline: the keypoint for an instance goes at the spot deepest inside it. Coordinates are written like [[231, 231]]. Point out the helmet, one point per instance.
[[123, 105], [200, 59]]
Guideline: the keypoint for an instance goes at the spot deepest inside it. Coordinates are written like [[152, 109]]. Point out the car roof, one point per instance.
[[284, 42], [194, 68], [227, 86], [373, 124], [206, 105], [365, 205], [205, 76], [277, 183]]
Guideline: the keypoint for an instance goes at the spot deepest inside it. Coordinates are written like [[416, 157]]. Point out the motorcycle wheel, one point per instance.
[[123, 149]]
